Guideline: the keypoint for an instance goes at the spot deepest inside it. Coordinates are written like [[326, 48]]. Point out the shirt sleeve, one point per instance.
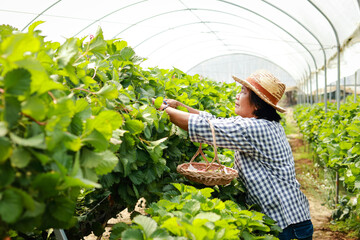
[[229, 132]]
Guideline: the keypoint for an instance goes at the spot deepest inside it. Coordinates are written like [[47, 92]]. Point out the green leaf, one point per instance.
[[158, 102], [37, 141], [7, 174], [345, 145], [45, 183], [78, 181], [98, 44], [14, 47], [12, 111], [117, 230], [213, 217], [38, 209], [137, 177], [67, 52], [148, 224], [44, 159], [134, 126], [72, 142], [160, 234], [5, 149], [127, 53], [172, 226], [97, 140], [10, 206], [103, 162], [35, 108], [3, 129], [191, 206], [132, 234], [17, 82], [33, 26], [62, 208], [107, 121], [40, 80], [108, 92], [20, 157]]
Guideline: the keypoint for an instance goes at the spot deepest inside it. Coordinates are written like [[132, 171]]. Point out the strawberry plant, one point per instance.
[[80, 139], [335, 138], [191, 213]]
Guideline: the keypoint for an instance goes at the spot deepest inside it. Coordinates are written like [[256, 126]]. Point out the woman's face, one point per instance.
[[243, 106]]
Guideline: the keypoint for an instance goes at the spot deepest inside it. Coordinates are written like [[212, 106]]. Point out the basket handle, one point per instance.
[[214, 143], [199, 151]]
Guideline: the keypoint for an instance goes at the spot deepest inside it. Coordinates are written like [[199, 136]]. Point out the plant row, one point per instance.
[[334, 136], [80, 138]]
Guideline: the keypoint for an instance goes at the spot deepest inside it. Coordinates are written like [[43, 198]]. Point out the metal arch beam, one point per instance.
[[106, 15], [195, 23], [322, 48], [244, 53], [338, 60], [183, 25], [40, 14], [236, 5], [210, 10], [226, 2], [253, 54], [337, 83], [178, 10], [151, 17]]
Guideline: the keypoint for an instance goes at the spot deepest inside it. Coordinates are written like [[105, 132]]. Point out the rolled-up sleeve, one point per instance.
[[229, 132]]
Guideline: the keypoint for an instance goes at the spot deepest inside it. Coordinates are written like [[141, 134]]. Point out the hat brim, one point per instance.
[[260, 94]]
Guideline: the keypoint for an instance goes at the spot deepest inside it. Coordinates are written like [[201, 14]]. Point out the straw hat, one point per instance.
[[266, 86]]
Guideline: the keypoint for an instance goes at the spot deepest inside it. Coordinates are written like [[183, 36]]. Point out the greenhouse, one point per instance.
[[102, 104]]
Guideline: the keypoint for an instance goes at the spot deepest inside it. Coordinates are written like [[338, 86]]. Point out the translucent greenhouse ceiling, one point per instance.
[[298, 36]]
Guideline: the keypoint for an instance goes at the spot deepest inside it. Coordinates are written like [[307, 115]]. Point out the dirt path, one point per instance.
[[312, 187]]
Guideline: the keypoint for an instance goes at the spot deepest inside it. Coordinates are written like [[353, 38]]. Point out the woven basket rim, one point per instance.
[[210, 178]]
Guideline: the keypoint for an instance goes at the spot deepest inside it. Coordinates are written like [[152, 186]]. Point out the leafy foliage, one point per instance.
[[193, 213], [335, 137], [80, 139]]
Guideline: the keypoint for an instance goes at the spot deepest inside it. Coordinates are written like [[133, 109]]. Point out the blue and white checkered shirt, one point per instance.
[[264, 160]]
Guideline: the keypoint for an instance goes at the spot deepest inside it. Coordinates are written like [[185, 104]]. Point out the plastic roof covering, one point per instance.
[[295, 35]]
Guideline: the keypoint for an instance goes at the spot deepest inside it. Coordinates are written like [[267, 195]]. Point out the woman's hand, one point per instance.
[[164, 105], [172, 103]]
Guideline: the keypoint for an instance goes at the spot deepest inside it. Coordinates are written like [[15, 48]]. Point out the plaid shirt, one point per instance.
[[264, 160]]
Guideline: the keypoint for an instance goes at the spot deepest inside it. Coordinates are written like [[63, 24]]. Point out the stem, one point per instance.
[[94, 73], [145, 141], [84, 54], [52, 96], [82, 89], [40, 123]]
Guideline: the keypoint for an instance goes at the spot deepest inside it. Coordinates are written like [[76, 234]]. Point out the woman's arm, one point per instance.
[[174, 104], [179, 118]]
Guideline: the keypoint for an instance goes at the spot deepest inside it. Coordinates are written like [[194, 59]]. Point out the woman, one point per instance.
[[263, 156]]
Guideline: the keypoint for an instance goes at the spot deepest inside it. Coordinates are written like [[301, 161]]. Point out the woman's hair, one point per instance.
[[263, 109]]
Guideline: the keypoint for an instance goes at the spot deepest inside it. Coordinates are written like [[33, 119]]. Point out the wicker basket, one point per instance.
[[209, 174]]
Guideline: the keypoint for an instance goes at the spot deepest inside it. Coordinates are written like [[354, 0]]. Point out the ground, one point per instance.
[[311, 184]]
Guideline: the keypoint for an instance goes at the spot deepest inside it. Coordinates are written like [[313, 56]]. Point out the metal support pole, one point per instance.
[[338, 80], [60, 234], [344, 89], [355, 87], [317, 88]]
